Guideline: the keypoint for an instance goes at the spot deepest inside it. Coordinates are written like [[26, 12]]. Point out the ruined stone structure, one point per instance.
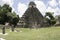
[[32, 17]]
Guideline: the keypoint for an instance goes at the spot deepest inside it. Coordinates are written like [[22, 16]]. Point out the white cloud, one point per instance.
[[59, 2], [10, 2], [53, 3], [55, 10], [21, 8], [50, 9], [41, 6], [33, 0], [53, 7]]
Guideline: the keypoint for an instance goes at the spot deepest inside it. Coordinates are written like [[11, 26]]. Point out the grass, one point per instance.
[[51, 33]]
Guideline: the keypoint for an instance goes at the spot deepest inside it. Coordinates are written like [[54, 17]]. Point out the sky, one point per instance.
[[20, 6]]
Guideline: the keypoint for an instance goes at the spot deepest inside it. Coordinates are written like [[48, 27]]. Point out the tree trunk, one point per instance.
[[12, 28], [3, 30]]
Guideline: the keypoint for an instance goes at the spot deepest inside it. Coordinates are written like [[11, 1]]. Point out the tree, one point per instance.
[[4, 10], [51, 20], [14, 20], [6, 15]]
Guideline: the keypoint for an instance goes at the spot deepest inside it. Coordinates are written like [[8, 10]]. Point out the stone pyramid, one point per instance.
[[33, 17]]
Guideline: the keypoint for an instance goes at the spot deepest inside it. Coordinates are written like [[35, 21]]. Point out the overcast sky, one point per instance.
[[20, 6]]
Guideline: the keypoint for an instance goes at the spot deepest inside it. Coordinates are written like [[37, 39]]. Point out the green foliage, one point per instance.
[[6, 15], [52, 20], [14, 19], [6, 8], [3, 13]]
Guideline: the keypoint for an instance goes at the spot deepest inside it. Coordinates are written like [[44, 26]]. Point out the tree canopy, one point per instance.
[[6, 15], [51, 20]]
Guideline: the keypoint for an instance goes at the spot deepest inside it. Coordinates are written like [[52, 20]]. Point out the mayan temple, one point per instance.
[[32, 17]]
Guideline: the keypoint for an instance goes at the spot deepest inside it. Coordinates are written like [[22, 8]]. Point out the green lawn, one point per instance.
[[52, 33]]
